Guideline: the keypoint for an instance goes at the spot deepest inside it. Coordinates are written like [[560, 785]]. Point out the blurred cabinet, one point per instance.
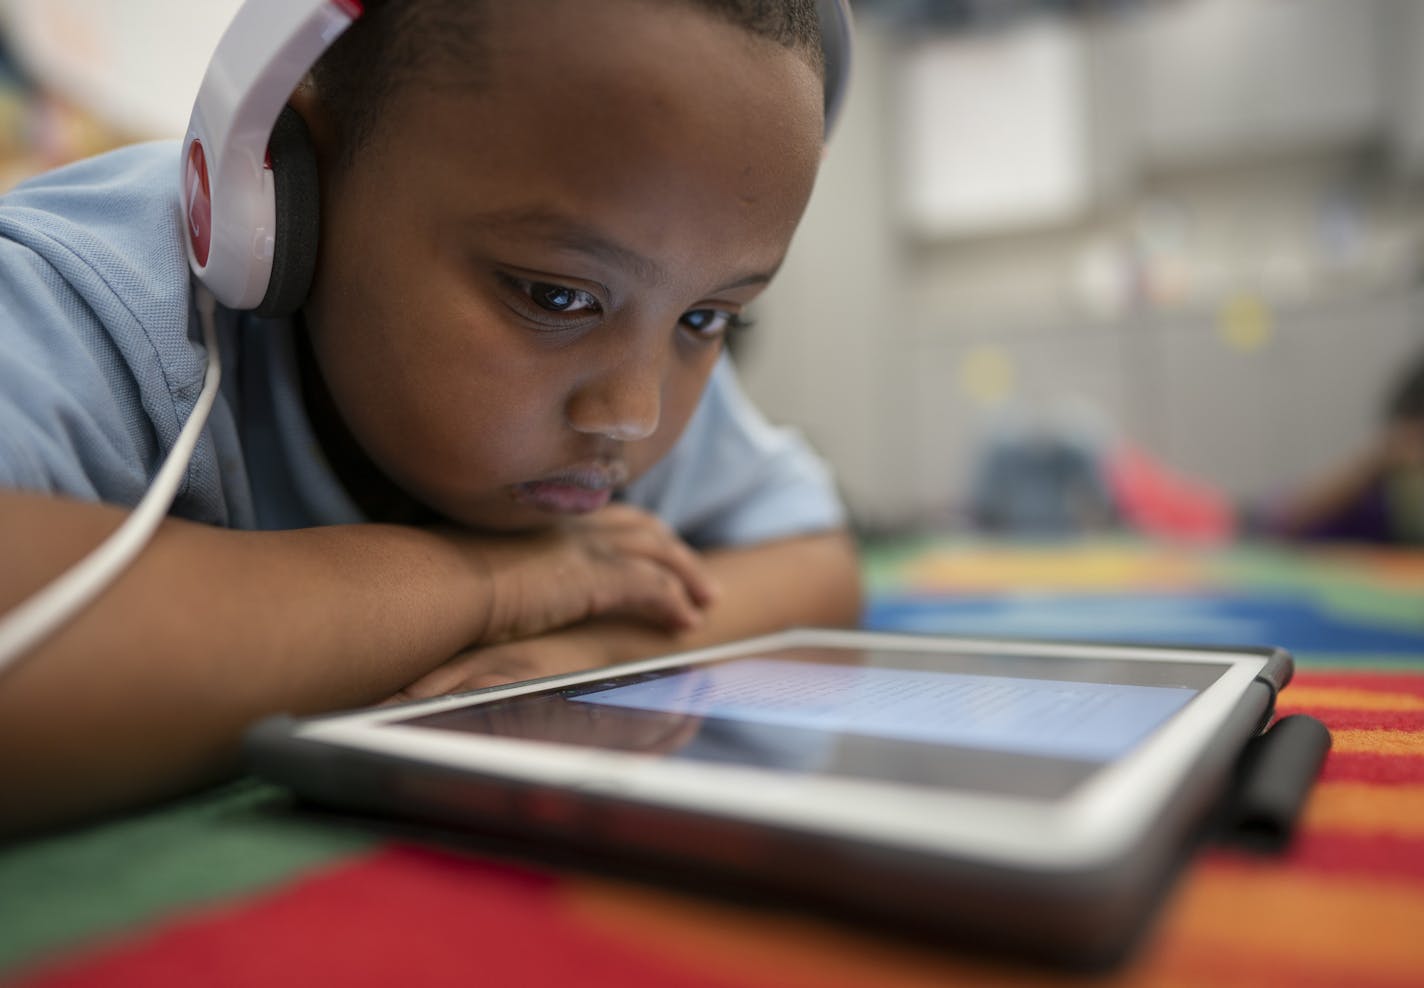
[[1220, 78], [1011, 128]]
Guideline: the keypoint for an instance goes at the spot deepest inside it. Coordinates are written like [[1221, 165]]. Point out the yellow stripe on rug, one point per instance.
[[1364, 809], [1349, 698], [1378, 742]]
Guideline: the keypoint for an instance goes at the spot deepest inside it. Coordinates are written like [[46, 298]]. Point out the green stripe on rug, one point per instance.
[[1347, 587], [132, 872]]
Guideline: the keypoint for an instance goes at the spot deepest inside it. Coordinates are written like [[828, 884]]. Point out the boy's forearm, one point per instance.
[[813, 580], [147, 690]]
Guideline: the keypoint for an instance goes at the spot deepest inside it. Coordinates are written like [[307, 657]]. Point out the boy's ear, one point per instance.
[[297, 197], [307, 103]]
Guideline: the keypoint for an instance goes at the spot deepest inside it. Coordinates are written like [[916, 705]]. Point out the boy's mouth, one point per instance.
[[578, 490]]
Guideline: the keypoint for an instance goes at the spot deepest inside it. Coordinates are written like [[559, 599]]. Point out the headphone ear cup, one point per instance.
[[298, 215]]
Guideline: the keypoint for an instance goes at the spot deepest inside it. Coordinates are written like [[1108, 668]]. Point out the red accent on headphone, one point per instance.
[[199, 202], [352, 8]]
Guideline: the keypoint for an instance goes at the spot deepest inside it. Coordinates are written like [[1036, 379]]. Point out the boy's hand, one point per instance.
[[574, 649], [566, 650], [619, 562]]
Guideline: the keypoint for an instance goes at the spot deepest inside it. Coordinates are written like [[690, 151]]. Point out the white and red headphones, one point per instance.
[[250, 218], [249, 178]]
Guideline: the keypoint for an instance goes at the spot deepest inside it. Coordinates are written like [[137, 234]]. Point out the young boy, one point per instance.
[[499, 438]]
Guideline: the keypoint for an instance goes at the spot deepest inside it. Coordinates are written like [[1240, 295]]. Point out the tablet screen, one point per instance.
[[1016, 725]]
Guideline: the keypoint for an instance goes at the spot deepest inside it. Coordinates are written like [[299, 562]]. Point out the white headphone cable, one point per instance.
[[46, 611]]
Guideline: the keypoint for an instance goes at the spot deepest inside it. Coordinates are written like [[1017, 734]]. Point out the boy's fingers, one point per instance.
[[629, 564], [454, 675], [689, 567], [664, 547], [628, 531], [659, 597]]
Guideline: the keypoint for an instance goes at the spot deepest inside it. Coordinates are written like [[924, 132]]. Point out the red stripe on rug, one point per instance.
[[1385, 855], [402, 915], [1340, 719], [1385, 682], [1371, 767]]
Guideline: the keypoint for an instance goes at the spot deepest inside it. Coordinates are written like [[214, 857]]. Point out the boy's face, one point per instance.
[[525, 275]]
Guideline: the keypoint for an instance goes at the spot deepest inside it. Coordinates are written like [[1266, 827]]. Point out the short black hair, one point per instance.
[[398, 41]]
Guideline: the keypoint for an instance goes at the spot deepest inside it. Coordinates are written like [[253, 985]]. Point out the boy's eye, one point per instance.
[[560, 298], [711, 322]]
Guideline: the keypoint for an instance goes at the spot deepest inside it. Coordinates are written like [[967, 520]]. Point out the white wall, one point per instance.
[[135, 64], [826, 353], [1239, 306], [1402, 28]]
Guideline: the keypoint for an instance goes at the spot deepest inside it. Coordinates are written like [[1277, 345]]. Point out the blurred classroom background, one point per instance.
[[1062, 252]]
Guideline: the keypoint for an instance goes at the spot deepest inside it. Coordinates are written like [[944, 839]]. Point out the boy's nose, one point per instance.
[[622, 403]]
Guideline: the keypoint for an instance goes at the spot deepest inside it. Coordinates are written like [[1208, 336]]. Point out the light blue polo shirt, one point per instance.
[[101, 361]]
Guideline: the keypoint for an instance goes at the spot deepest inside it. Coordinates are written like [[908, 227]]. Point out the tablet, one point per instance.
[[1027, 795]]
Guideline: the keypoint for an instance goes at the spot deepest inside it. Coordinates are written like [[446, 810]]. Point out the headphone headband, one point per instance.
[[231, 222], [836, 45]]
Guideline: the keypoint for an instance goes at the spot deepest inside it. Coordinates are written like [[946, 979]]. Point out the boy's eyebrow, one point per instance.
[[756, 278], [563, 230]]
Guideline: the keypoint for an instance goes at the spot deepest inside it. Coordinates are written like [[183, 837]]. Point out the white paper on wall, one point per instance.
[[995, 131]]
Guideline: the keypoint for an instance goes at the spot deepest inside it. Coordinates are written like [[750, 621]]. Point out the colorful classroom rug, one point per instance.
[[232, 888]]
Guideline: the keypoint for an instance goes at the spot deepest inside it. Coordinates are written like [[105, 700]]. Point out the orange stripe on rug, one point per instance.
[[1184, 964], [1349, 929], [1380, 742], [1361, 808], [1338, 698]]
